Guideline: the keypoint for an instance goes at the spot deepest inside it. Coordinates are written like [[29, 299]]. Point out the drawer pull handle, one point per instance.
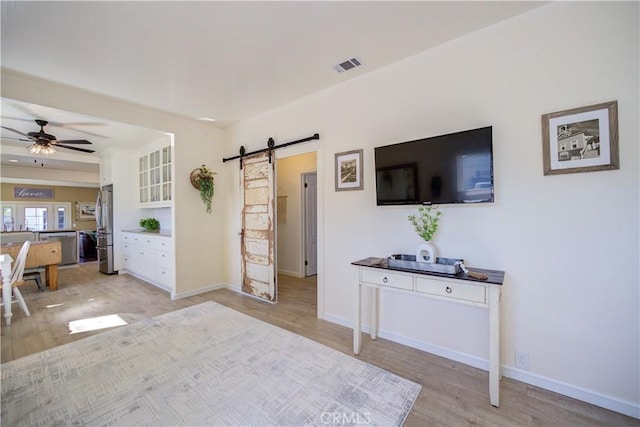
[[448, 290], [385, 280]]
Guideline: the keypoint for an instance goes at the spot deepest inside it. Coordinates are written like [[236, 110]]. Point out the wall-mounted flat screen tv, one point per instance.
[[452, 168]]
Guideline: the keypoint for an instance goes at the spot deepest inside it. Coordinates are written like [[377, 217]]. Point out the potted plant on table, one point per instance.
[[202, 180], [426, 225]]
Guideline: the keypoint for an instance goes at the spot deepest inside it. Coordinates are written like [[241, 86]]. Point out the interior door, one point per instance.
[[311, 223], [258, 233]]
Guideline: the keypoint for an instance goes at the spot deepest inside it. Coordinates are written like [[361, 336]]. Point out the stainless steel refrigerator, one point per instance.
[[104, 222]]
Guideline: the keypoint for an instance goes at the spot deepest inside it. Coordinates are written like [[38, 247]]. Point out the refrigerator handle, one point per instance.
[[99, 211]]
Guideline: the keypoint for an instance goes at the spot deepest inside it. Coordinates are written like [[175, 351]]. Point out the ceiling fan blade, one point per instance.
[[84, 150], [72, 141], [17, 139], [17, 131], [68, 125]]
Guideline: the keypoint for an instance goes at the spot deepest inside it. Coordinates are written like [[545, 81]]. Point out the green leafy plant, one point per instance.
[[202, 179], [426, 223], [150, 224]]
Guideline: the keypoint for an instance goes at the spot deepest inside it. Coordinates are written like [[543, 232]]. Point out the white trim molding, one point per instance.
[[175, 296], [627, 408]]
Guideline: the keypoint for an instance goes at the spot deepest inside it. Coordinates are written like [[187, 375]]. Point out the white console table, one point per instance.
[[461, 288]]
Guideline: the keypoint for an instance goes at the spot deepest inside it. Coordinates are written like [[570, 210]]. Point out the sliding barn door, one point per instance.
[[258, 233]]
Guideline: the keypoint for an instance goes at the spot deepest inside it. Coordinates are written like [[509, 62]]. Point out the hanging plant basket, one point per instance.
[[202, 180], [194, 178]]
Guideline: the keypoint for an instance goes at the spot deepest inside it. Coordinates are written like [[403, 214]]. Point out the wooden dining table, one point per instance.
[[47, 254]]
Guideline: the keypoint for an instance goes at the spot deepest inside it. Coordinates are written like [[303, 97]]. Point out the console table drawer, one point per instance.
[[452, 290], [384, 278]]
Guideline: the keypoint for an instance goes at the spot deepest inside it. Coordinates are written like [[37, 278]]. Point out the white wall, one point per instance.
[[198, 235], [289, 227], [568, 243]]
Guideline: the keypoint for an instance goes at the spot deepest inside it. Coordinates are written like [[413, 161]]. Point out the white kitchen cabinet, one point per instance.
[[149, 257], [154, 178], [106, 170]]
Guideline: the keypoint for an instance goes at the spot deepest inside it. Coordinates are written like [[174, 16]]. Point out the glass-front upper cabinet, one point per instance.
[[155, 178], [166, 173], [143, 184]]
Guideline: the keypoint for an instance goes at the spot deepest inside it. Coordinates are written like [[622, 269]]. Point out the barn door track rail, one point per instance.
[[271, 145]]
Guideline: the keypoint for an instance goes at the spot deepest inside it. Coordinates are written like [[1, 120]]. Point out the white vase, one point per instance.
[[426, 252]]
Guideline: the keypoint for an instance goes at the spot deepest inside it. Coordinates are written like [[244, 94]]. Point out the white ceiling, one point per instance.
[[225, 60], [103, 134]]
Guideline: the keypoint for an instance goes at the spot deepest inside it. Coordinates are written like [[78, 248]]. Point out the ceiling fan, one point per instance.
[[44, 143]]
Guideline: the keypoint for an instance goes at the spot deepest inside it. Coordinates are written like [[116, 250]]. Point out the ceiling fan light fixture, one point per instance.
[[42, 150]]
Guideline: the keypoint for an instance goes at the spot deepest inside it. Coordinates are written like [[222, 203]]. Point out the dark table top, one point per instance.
[[496, 277]]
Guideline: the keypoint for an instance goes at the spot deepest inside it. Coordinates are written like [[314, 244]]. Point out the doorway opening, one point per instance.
[[297, 220], [310, 222]]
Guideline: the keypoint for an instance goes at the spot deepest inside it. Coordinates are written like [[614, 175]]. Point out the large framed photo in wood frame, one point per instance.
[[582, 139]]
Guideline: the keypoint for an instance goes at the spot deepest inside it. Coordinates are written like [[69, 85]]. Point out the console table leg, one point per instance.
[[374, 312], [356, 323], [494, 345]]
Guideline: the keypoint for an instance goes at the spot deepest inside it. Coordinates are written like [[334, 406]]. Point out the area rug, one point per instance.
[[200, 366]]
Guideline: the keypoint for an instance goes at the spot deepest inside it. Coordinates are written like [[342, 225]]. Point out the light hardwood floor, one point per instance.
[[453, 394]]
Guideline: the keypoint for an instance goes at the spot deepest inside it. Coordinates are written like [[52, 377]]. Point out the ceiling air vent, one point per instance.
[[347, 65]]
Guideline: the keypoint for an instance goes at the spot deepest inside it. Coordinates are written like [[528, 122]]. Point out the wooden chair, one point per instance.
[[16, 277]]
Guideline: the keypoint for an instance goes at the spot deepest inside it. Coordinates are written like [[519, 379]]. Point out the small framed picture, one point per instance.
[[349, 170], [85, 211], [581, 140]]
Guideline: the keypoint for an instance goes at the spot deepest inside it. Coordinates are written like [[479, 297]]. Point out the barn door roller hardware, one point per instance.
[[270, 147]]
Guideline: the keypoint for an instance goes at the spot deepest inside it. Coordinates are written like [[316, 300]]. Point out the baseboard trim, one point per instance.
[[144, 279], [175, 296], [234, 288], [627, 408], [598, 399]]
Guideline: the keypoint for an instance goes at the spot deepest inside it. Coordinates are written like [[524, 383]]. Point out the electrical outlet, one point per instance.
[[522, 360]]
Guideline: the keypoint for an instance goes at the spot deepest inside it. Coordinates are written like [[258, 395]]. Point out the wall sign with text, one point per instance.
[[32, 193]]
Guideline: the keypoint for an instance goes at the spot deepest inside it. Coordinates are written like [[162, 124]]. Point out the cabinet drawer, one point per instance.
[[133, 239], [147, 241], [162, 244], [126, 249], [164, 260], [384, 278], [452, 290], [165, 277]]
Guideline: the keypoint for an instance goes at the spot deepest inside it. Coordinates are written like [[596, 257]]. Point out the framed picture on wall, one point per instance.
[[85, 211], [349, 170], [583, 139]]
